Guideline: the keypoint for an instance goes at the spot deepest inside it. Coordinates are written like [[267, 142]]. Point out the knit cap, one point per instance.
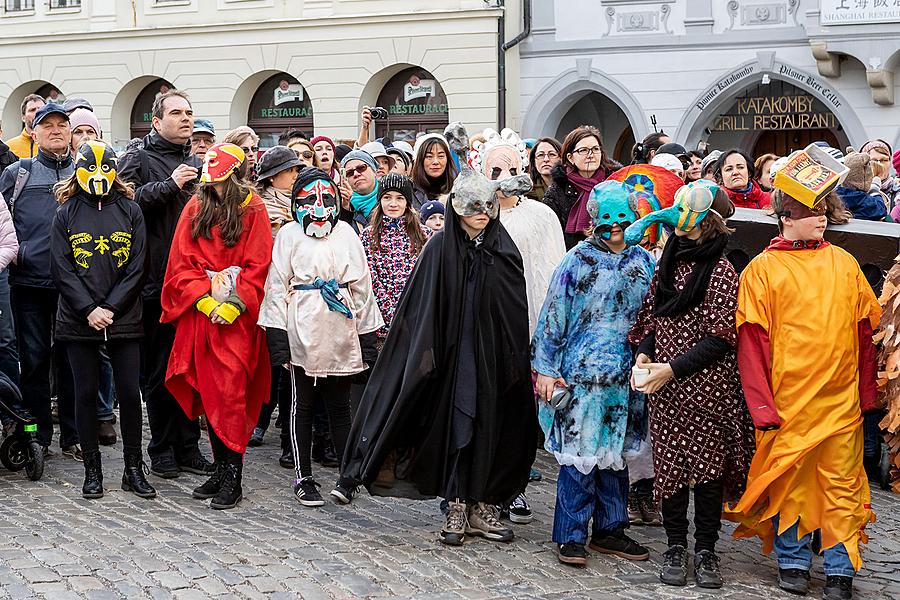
[[710, 160], [359, 155], [395, 182], [432, 207], [322, 138], [896, 162], [860, 175], [82, 116]]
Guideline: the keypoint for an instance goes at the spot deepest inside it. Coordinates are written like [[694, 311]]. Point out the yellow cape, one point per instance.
[[810, 302]]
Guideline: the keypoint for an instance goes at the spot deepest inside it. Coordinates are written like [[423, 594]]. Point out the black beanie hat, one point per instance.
[[395, 182]]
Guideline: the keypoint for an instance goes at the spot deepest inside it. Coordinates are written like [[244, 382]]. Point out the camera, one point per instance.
[[378, 113]]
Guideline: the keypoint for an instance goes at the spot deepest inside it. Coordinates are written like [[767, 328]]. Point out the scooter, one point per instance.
[[20, 448]]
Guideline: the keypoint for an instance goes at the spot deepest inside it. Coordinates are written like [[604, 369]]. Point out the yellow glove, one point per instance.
[[229, 312], [206, 304]]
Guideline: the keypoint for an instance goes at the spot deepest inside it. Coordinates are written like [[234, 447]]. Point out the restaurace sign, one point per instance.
[[855, 12]]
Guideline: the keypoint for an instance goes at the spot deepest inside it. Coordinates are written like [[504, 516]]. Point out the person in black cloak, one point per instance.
[[450, 403]]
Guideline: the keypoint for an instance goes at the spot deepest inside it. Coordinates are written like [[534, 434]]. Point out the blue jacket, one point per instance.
[[33, 213], [863, 205]]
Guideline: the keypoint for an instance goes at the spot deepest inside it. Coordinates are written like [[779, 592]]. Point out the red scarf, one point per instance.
[[780, 243], [579, 219]]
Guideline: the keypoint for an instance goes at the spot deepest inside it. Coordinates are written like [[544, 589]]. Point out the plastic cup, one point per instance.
[[640, 376]]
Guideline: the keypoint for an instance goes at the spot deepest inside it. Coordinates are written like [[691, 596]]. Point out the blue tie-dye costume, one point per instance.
[[581, 336]]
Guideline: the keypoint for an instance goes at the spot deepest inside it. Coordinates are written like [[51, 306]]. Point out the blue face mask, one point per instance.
[[692, 204], [611, 203]]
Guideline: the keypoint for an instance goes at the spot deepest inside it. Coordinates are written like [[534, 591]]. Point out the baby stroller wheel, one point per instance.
[[34, 466], [14, 453]]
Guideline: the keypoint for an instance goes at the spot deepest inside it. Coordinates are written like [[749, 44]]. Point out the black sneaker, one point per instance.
[[256, 438], [706, 570], [838, 587], [287, 459], [344, 491], [165, 467], [795, 581], [518, 511], [307, 492], [196, 464], [674, 567], [572, 553], [619, 544]]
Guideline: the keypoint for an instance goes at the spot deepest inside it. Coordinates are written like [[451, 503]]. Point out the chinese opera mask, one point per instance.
[[316, 206], [220, 162], [95, 167]]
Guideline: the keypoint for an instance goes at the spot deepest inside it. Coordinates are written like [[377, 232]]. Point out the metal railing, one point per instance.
[[17, 5]]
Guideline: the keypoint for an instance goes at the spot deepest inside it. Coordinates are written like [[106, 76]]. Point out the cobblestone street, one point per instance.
[[55, 545]]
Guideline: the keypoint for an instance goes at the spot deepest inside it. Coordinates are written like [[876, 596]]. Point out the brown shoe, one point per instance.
[[106, 433], [650, 511], [484, 520], [453, 533]]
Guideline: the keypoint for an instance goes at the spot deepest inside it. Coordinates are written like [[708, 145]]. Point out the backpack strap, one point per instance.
[[21, 180]]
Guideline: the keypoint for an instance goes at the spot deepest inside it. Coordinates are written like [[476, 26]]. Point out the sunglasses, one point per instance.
[[249, 149], [307, 155], [355, 171]]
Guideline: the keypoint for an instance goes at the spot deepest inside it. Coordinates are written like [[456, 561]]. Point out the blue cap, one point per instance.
[[359, 155], [49, 109], [204, 126], [432, 207]]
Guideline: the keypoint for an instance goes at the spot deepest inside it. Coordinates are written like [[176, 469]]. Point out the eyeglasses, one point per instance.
[[356, 170], [307, 155], [546, 155], [586, 151], [201, 142], [249, 149]]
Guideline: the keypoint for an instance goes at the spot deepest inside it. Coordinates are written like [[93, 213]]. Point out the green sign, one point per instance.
[[417, 109], [285, 113]]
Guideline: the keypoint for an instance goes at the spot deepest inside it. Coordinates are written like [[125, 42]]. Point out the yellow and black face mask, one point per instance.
[[95, 167]]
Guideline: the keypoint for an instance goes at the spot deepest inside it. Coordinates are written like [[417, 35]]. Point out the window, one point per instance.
[[56, 4], [18, 5], [280, 103], [415, 104], [141, 112]]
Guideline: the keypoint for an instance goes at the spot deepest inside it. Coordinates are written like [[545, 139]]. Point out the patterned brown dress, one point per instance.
[[699, 425]]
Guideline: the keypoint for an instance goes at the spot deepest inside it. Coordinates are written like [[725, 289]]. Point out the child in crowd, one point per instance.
[[432, 215]]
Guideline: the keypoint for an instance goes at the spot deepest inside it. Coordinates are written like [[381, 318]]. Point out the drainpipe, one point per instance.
[[502, 47]]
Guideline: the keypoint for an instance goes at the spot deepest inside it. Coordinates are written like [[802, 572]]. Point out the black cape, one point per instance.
[[408, 404]]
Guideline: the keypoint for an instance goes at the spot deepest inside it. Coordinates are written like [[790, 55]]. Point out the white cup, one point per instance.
[[640, 376]]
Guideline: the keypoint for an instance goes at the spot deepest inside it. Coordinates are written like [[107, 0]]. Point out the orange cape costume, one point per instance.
[[221, 371], [805, 319]]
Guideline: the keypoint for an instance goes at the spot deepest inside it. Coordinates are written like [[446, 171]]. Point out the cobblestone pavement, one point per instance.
[[56, 545]]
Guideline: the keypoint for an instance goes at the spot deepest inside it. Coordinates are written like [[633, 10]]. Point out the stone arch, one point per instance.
[[12, 111], [732, 83], [120, 115], [548, 107], [240, 102]]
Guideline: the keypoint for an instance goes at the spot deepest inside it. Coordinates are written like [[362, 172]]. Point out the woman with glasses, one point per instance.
[[543, 157], [247, 140], [583, 165], [304, 151]]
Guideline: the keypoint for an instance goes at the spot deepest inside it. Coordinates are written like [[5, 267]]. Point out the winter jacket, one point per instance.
[[755, 198], [7, 156], [561, 196], [866, 205], [98, 256], [9, 243], [22, 145], [32, 214], [278, 207], [150, 170]]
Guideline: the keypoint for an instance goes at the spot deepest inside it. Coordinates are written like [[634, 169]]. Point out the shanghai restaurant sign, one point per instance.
[[775, 113], [855, 12]]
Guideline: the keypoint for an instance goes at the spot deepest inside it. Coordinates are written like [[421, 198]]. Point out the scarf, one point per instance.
[[365, 204], [579, 219], [669, 302]]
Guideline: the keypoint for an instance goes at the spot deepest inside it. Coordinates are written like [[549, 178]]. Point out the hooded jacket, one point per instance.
[[97, 259], [7, 156], [157, 194], [754, 198], [32, 214]]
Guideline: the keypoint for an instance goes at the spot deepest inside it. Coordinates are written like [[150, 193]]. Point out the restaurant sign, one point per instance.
[[760, 113], [857, 12]]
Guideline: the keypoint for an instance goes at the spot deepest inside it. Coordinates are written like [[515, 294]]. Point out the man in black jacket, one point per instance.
[[165, 175], [7, 156]]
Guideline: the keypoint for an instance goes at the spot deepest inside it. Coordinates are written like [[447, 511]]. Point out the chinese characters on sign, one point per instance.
[[855, 12]]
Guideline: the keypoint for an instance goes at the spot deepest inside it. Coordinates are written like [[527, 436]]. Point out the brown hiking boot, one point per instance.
[[386, 477], [453, 533], [484, 520]]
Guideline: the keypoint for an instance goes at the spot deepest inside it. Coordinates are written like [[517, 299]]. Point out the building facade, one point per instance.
[[763, 75], [271, 64]]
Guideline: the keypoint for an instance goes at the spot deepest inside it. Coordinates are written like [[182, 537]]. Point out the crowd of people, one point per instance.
[[423, 316]]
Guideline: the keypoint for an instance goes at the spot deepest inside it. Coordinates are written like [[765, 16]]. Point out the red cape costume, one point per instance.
[[221, 371]]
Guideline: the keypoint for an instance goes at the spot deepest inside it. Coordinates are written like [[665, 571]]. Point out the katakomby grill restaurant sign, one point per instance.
[[783, 71], [855, 12], [775, 113]]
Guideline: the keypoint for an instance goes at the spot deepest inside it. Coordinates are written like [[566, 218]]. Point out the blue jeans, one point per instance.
[[797, 554], [602, 494], [106, 401], [9, 355], [871, 434]]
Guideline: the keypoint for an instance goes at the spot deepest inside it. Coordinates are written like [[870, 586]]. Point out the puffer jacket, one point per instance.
[[98, 251], [159, 197], [869, 206], [754, 198]]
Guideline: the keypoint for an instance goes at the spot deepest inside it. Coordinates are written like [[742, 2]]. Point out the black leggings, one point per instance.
[[125, 358], [222, 453], [707, 515], [335, 393]]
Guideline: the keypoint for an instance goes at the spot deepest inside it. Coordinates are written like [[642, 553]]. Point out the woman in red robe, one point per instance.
[[214, 285]]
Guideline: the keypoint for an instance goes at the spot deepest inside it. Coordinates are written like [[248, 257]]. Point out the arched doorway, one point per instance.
[[594, 108], [415, 103], [279, 103], [775, 117], [142, 109], [51, 94]]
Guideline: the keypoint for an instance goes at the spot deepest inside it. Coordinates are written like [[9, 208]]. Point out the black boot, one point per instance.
[[230, 493], [212, 485], [134, 479], [93, 475]]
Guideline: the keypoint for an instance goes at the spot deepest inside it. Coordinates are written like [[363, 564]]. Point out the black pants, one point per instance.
[[221, 452], [172, 434], [125, 357], [34, 312], [335, 392], [707, 515], [280, 396]]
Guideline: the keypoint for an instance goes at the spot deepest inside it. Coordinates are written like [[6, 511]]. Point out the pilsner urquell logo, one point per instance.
[[810, 173]]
